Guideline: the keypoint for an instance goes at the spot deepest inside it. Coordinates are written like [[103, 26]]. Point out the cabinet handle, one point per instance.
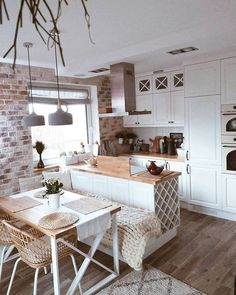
[[187, 155], [188, 169], [167, 166], [235, 139], [171, 122]]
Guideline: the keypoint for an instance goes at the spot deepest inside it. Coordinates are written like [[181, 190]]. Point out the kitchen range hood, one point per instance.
[[123, 91]]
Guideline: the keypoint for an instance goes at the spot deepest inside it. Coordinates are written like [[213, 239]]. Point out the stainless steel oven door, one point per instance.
[[229, 124], [229, 158], [229, 119]]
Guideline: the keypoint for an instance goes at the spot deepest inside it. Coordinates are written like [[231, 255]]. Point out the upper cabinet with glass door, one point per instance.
[[161, 82], [177, 80], [143, 85]]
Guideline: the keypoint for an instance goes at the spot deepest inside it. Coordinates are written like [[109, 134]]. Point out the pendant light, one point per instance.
[[33, 119], [60, 117]]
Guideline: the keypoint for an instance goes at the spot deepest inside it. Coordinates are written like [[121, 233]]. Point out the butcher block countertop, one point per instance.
[[119, 167], [148, 155]]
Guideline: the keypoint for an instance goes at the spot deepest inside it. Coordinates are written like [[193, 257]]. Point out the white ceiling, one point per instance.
[[136, 31]]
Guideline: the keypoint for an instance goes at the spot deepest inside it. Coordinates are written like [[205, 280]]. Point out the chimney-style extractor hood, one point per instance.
[[123, 91]]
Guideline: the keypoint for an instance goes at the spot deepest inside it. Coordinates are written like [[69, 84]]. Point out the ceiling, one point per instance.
[[136, 31]]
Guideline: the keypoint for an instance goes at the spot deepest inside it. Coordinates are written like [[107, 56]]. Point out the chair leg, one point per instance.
[[12, 276], [36, 274], [74, 263], [2, 252]]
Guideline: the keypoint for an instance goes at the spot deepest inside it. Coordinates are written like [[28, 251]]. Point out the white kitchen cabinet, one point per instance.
[[161, 82], [143, 103], [143, 85], [204, 185], [228, 80], [180, 167], [177, 108], [202, 79], [203, 135], [169, 108], [81, 181], [177, 80], [100, 185], [119, 190], [161, 108], [229, 192], [141, 195]]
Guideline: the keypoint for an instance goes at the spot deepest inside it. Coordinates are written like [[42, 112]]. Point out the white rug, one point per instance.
[[149, 281]]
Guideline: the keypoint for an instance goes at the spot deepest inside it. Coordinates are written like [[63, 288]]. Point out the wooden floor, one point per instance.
[[203, 255]]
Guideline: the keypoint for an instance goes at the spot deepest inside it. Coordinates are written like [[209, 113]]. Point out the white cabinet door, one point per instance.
[[202, 79], [130, 121], [204, 185], [144, 103], [229, 192], [228, 80], [161, 108], [180, 167], [177, 80], [177, 107], [143, 85], [100, 185], [203, 129], [141, 195], [81, 181], [161, 82], [119, 190]]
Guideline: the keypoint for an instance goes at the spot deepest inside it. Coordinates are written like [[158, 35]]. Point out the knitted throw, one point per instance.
[[135, 227]]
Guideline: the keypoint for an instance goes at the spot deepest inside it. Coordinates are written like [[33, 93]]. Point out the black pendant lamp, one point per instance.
[[32, 119], [60, 117]]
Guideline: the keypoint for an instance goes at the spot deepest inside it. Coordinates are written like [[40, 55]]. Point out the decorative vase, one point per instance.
[[40, 163], [54, 200], [131, 140], [120, 140]]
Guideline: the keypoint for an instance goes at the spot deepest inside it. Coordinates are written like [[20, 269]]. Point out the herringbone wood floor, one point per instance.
[[203, 255]]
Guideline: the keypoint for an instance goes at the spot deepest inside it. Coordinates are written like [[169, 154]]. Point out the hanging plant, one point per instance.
[[41, 12]]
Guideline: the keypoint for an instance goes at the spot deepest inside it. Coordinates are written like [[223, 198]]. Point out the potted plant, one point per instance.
[[53, 190], [39, 146], [131, 136], [121, 136]]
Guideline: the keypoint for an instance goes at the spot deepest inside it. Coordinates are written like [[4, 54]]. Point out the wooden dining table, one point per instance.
[[38, 208]]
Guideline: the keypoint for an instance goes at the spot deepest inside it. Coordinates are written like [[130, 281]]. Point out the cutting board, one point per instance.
[[118, 165]]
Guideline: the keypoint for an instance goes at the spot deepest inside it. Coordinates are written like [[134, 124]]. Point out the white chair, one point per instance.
[[35, 250]]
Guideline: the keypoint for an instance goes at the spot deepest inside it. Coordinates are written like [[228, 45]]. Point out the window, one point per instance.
[[59, 139]]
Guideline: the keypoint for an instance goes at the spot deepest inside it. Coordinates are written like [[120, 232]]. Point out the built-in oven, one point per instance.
[[228, 119], [229, 154]]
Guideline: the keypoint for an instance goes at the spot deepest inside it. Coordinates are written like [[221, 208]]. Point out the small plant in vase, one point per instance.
[[131, 136], [39, 146], [53, 191], [121, 136]]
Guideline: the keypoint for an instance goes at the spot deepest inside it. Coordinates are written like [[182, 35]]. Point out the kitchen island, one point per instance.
[[112, 180]]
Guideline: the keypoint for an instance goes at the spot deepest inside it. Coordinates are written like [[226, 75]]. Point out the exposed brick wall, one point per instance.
[[16, 158]]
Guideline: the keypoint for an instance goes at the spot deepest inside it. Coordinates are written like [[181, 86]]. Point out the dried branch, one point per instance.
[[39, 18]]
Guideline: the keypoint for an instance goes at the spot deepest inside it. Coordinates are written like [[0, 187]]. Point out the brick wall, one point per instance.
[[16, 159]]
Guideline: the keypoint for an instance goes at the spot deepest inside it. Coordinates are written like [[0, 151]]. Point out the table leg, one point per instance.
[[115, 244], [55, 267]]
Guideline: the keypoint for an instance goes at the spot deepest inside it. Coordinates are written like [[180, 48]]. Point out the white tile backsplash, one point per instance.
[[150, 132]]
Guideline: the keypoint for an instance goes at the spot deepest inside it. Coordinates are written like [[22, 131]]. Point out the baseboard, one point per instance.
[[208, 211]]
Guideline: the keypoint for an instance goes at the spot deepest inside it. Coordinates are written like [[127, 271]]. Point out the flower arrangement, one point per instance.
[[53, 186]]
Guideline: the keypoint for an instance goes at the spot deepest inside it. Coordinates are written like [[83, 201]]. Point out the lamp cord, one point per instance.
[[58, 88], [31, 96]]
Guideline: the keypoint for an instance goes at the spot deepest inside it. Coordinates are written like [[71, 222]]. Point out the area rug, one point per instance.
[[149, 281]]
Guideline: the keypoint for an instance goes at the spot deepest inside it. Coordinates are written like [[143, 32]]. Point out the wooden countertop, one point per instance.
[[144, 177], [148, 155]]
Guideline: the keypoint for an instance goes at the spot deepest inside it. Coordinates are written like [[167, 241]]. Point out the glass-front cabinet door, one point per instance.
[[143, 85], [177, 80], [161, 82]]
